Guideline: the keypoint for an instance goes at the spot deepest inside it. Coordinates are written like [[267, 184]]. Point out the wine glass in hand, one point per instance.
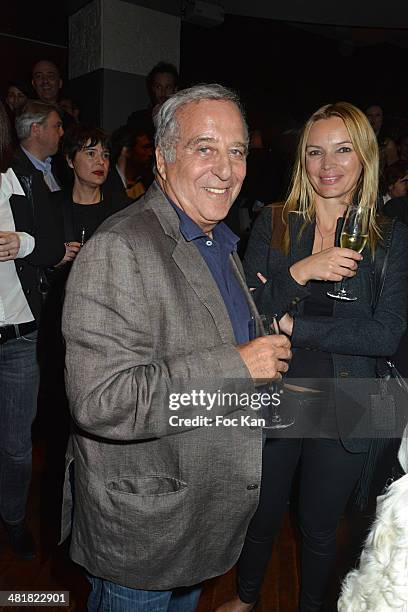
[[271, 414], [354, 235]]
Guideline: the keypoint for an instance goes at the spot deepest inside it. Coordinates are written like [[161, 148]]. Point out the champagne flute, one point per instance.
[[271, 414], [354, 235]]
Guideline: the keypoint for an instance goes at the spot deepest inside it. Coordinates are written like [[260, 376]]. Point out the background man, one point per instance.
[[155, 304], [47, 83], [131, 160], [39, 131], [161, 83]]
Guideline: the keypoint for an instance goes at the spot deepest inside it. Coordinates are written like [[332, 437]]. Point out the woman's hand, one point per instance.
[[332, 264], [71, 251], [286, 324], [9, 245]]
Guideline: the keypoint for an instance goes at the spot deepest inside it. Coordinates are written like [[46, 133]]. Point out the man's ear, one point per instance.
[[160, 164], [125, 152], [69, 161], [35, 129]]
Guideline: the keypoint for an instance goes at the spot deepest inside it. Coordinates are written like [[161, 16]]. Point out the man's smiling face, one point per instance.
[[210, 165]]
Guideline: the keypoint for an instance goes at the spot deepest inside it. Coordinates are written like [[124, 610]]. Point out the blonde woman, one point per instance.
[[333, 341]]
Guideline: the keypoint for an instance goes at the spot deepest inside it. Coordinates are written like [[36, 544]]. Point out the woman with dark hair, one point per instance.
[[6, 141], [335, 343], [86, 151], [14, 101], [83, 208], [16, 97]]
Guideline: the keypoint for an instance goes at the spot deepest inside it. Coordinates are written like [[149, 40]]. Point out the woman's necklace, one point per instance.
[[322, 238]]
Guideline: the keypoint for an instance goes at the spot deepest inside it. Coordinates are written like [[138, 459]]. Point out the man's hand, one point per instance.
[[264, 357], [9, 245], [71, 251]]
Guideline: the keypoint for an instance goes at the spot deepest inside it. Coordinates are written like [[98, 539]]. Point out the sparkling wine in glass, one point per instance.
[[271, 414], [354, 235]]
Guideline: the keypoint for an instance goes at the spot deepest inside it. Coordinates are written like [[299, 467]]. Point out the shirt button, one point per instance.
[[252, 487], [20, 268], [28, 291], [209, 243]]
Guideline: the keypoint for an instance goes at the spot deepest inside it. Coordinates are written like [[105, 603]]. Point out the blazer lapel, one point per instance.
[[196, 272], [198, 276], [190, 262]]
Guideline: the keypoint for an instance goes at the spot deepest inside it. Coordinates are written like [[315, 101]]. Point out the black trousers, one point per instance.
[[328, 474]]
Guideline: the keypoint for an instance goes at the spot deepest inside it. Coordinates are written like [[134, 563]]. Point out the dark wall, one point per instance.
[[284, 73], [22, 55], [31, 31]]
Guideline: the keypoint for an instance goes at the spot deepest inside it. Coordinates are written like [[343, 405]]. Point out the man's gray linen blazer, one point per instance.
[[155, 506]]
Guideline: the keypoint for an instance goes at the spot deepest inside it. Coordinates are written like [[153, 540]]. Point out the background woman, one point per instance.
[[86, 150], [83, 208], [333, 341]]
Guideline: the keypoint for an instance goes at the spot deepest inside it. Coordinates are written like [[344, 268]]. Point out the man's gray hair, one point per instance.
[[167, 125], [33, 112]]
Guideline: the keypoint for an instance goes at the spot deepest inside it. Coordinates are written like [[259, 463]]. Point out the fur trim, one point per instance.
[[380, 584]]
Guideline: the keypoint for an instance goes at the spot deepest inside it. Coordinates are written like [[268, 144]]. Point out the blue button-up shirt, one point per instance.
[[216, 252], [45, 167]]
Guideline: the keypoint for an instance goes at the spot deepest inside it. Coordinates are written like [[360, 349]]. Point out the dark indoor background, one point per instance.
[[283, 69]]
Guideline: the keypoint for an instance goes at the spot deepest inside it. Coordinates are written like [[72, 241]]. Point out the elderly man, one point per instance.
[[166, 468]]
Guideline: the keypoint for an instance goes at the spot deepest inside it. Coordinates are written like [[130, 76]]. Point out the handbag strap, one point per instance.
[[379, 272]]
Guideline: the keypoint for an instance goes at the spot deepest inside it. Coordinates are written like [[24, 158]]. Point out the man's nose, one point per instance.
[[222, 167]]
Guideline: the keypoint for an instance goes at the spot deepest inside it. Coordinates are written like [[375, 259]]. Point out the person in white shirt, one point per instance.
[[28, 240]]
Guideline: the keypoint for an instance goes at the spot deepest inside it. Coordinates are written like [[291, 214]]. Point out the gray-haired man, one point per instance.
[[39, 131], [156, 302]]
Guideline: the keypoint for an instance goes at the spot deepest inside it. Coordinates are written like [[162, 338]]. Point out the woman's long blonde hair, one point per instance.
[[301, 196]]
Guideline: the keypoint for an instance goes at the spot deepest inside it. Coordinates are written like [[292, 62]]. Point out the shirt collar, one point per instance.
[[122, 176], [191, 231], [44, 166], [9, 185]]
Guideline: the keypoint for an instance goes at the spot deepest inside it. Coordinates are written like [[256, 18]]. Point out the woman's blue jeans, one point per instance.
[[19, 378]]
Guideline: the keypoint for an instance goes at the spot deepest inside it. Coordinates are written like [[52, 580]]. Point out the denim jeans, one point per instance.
[[110, 597], [19, 378]]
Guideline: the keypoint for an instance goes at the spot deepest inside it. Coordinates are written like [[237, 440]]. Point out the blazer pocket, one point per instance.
[[148, 517], [146, 485]]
